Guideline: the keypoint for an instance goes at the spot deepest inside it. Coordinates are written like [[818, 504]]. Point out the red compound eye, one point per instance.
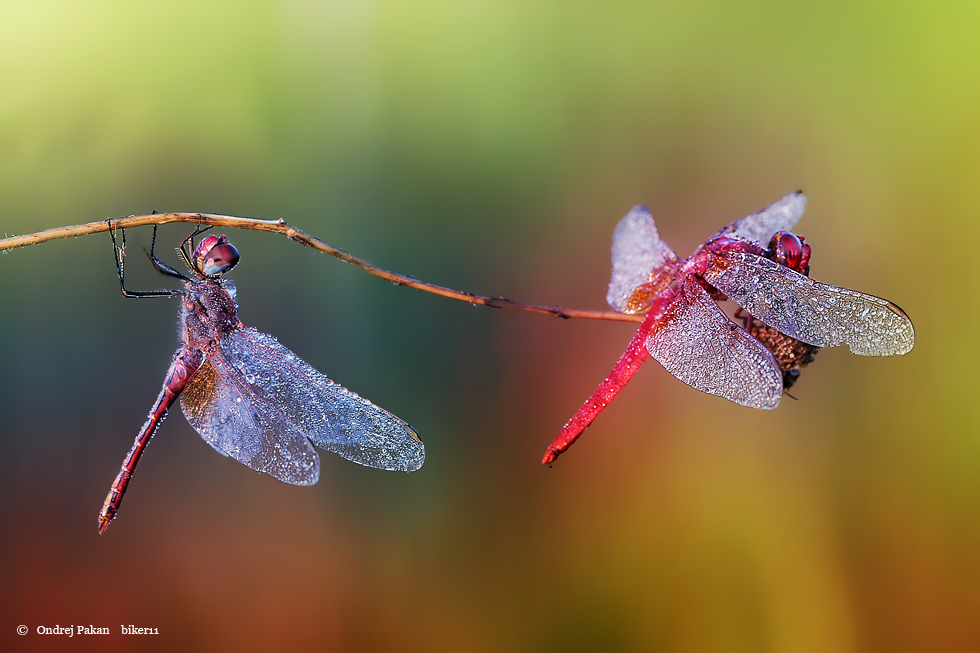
[[790, 250], [215, 255]]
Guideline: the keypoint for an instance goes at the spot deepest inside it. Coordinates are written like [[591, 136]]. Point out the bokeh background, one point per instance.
[[491, 146]]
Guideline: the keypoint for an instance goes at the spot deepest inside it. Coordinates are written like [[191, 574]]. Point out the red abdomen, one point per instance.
[[181, 371]]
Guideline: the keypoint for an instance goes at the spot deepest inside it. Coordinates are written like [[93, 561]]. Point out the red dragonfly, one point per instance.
[[248, 396], [757, 263]]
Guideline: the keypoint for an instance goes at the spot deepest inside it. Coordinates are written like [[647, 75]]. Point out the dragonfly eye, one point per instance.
[[215, 255], [790, 250]]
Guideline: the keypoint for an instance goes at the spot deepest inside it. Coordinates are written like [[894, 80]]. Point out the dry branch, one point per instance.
[[291, 232]]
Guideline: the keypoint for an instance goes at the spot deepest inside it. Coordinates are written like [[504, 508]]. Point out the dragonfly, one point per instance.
[[248, 396], [759, 264]]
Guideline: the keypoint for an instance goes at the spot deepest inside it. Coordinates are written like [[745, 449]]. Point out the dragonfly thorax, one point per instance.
[[208, 313]]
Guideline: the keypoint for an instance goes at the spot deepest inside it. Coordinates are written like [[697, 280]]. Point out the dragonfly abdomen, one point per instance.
[[181, 371]]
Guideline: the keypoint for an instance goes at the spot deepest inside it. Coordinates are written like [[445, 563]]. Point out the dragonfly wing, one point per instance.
[[333, 417], [637, 252], [219, 406], [758, 227], [699, 345], [816, 313]]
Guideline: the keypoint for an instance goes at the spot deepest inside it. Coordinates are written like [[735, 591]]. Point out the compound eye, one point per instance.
[[219, 259], [788, 250]]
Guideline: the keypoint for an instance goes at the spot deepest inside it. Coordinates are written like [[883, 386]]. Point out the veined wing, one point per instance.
[[333, 417], [816, 313], [237, 424], [699, 345], [637, 253], [759, 227]]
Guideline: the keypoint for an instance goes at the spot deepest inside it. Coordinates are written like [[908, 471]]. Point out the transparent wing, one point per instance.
[[237, 424], [333, 417], [816, 313], [759, 227], [637, 251], [699, 345]]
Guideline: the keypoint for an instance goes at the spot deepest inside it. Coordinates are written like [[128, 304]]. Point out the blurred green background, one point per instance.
[[492, 147]]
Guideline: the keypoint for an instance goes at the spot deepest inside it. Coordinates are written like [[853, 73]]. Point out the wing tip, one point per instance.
[[774, 404], [638, 215], [905, 334], [414, 463], [795, 196]]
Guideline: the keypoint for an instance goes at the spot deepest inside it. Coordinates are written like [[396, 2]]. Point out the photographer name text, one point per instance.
[[71, 631]]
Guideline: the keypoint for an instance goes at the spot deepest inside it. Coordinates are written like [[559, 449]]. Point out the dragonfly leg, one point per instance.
[[746, 317], [160, 266], [119, 253], [186, 253]]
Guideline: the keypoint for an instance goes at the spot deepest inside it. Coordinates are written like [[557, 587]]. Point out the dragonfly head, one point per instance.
[[215, 255], [790, 250]]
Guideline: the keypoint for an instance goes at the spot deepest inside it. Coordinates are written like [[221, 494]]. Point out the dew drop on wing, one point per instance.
[[334, 418], [637, 253], [816, 313], [700, 346], [220, 407]]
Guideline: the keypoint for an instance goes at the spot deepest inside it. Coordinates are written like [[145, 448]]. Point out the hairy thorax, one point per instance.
[[208, 312]]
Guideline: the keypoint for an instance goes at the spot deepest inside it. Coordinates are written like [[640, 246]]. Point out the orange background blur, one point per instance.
[[492, 147]]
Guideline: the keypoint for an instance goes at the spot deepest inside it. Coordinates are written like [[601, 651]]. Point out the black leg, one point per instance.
[[160, 266], [186, 254], [747, 319], [119, 253]]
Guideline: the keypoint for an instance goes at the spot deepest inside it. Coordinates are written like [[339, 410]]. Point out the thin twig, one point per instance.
[[291, 232]]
